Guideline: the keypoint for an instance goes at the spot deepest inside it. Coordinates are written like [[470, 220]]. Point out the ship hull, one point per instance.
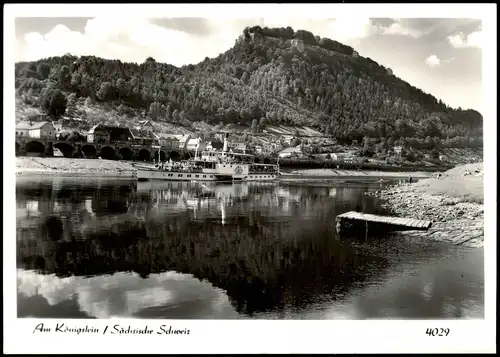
[[146, 175], [261, 177]]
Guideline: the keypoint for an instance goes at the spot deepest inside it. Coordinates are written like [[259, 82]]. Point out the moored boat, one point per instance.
[[221, 165]]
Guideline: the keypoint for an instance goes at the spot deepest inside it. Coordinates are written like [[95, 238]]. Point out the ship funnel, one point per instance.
[[225, 142]]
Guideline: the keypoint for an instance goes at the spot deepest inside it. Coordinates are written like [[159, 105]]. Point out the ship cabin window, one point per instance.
[[188, 175], [204, 176], [196, 175]]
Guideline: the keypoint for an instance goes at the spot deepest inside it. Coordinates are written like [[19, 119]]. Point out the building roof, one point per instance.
[[194, 141], [92, 130], [167, 136], [291, 149], [182, 138], [341, 154], [142, 134], [31, 126]]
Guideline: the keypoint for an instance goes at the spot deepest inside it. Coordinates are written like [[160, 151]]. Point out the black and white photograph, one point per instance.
[[255, 166]]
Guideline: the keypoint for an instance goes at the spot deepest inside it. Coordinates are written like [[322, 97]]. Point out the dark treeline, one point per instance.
[[262, 262], [262, 80]]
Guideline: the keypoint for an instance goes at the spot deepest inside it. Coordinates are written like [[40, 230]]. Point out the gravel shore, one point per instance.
[[73, 167], [453, 202]]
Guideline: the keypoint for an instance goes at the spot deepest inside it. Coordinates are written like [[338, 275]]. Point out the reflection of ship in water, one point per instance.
[[202, 198]]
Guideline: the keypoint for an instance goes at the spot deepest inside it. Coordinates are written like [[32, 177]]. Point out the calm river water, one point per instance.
[[108, 248]]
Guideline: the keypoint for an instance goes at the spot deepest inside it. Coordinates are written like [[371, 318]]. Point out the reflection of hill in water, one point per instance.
[[265, 254]]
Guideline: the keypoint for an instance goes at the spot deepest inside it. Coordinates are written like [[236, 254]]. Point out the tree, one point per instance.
[[244, 115], [367, 147], [43, 70], [55, 103], [263, 122], [64, 76], [105, 91], [120, 87], [255, 125], [155, 111], [71, 103], [175, 116], [75, 79], [245, 77], [168, 112]]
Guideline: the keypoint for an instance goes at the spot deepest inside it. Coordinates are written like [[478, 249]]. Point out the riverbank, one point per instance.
[[57, 166], [54, 166], [454, 202]]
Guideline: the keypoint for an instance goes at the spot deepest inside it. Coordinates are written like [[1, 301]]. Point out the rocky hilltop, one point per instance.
[[269, 77]]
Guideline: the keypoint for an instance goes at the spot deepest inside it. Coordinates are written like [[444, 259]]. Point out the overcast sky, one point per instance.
[[439, 56]]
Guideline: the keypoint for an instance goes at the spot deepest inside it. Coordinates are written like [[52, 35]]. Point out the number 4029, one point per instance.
[[437, 331]]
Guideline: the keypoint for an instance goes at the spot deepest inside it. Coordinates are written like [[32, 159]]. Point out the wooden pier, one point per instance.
[[351, 220]]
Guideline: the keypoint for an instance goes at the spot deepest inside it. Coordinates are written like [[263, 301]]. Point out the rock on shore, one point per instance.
[[454, 207]]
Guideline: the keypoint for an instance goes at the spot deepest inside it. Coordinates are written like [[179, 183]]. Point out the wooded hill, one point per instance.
[[270, 76]]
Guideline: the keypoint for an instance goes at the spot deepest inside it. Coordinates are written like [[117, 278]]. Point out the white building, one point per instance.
[[294, 150], [237, 146], [58, 127], [168, 141], [342, 157], [183, 140], [299, 44], [145, 124], [38, 130], [195, 144], [98, 134], [287, 139]]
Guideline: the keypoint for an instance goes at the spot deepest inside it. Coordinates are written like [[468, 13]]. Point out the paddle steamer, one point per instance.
[[221, 165]]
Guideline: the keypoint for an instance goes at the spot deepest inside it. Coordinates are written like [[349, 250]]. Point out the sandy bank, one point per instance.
[[454, 203], [356, 173], [52, 166]]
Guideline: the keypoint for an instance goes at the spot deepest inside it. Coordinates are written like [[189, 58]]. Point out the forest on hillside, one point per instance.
[[266, 78]]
